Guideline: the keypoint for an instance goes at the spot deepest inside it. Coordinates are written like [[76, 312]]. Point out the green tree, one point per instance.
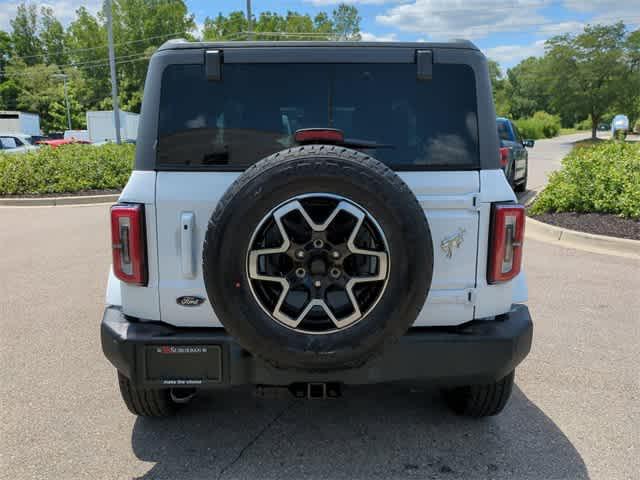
[[6, 50], [589, 71], [26, 43], [139, 27], [498, 86], [87, 43], [52, 37], [629, 103], [234, 26], [346, 22], [526, 88]]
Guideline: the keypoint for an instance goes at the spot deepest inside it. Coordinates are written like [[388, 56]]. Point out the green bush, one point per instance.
[[584, 124], [541, 125], [66, 169], [604, 177]]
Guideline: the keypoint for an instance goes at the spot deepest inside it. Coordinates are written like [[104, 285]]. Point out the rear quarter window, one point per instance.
[[255, 110]]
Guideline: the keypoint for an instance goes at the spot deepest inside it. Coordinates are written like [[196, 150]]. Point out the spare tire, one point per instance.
[[317, 257]]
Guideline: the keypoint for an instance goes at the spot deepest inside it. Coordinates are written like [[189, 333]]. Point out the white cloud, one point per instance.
[[461, 18], [370, 37], [507, 55], [607, 11], [560, 28]]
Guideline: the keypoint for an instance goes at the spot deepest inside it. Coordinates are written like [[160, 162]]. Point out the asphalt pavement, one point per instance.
[[575, 412]]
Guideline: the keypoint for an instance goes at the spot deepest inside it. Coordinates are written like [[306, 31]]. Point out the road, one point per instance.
[[574, 414]]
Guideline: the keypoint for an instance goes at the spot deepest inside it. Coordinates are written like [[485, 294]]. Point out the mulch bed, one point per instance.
[[83, 193], [598, 223]]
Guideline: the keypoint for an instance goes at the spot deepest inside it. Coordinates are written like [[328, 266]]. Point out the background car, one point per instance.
[[15, 143], [514, 158], [59, 142]]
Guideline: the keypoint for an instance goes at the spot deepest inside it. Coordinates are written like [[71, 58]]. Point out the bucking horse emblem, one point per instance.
[[453, 241]]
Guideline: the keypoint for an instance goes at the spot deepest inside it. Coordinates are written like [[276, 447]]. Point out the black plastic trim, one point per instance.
[[319, 55], [481, 351]]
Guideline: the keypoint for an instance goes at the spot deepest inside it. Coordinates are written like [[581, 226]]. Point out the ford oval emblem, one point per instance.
[[189, 301]]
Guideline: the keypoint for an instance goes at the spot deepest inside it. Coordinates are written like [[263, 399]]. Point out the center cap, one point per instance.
[[318, 266]]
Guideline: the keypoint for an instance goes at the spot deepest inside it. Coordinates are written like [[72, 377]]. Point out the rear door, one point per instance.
[[209, 131]]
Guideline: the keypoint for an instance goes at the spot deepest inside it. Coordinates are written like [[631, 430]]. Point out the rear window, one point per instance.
[[256, 109]]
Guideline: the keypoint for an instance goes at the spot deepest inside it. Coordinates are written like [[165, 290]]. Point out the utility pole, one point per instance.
[[63, 77], [249, 21], [112, 65]]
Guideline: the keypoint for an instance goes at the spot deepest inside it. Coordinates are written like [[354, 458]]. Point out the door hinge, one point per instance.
[[424, 61], [213, 64]]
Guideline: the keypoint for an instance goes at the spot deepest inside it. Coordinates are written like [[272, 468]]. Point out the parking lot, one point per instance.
[[574, 414]]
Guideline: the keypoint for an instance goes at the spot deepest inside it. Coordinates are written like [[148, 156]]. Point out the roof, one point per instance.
[[183, 44]]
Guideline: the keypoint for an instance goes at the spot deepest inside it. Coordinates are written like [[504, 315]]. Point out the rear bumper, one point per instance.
[[159, 355]]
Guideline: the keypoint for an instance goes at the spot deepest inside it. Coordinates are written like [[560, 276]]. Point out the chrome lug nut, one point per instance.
[[335, 273], [300, 272], [300, 254], [318, 243], [335, 254], [317, 284]]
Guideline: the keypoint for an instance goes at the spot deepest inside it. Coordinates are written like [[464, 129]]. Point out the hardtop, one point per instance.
[[215, 57]]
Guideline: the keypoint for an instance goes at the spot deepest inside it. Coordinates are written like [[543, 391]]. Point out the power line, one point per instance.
[[89, 49], [89, 66]]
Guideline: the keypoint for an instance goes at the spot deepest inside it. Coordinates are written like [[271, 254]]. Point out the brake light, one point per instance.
[[331, 135], [504, 156], [505, 248], [128, 243]]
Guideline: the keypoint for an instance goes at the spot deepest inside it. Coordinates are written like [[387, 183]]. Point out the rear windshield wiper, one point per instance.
[[355, 143], [334, 136]]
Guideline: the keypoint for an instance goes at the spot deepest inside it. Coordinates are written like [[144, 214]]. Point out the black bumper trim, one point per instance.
[[480, 352]]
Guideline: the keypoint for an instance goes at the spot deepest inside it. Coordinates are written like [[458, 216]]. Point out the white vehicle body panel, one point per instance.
[[101, 126], [20, 122], [453, 201]]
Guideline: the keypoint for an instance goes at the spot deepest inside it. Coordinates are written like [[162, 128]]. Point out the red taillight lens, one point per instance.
[[505, 248], [128, 243], [504, 156], [330, 135]]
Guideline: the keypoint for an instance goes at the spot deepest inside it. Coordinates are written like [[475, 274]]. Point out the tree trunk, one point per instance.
[[594, 127]]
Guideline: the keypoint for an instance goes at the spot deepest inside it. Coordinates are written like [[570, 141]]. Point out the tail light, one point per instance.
[[128, 243], [504, 156], [505, 249], [309, 135]]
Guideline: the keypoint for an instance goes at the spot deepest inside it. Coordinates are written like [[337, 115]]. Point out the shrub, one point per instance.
[[541, 125], [584, 124], [604, 177], [66, 169]]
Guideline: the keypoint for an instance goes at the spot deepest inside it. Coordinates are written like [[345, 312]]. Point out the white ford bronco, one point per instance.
[[309, 216]]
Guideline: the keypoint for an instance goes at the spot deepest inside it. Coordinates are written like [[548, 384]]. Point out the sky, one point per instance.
[[506, 30]]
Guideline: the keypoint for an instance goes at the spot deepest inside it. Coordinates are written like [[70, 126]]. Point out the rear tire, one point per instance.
[[480, 400], [146, 402]]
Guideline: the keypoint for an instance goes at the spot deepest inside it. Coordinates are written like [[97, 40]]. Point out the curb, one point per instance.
[[621, 247], [56, 201]]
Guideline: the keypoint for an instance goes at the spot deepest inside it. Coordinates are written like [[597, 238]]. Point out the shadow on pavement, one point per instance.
[[374, 431]]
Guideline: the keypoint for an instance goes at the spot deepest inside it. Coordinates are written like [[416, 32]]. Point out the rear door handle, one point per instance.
[[187, 222]]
